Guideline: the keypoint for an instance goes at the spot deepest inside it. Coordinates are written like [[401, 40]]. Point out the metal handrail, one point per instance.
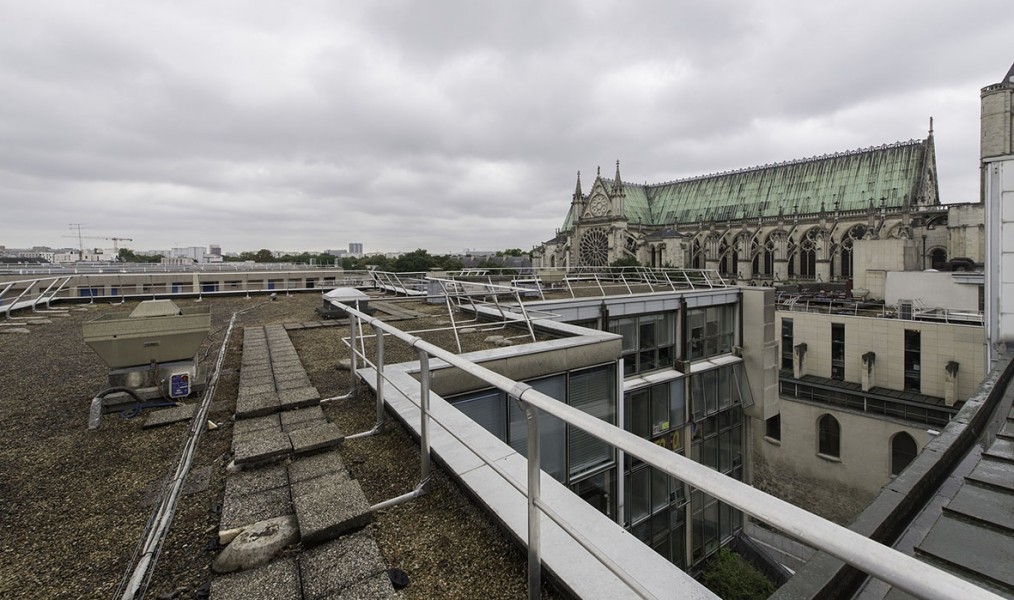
[[898, 569]]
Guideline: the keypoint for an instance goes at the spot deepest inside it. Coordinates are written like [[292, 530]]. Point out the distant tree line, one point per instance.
[[129, 256], [415, 261]]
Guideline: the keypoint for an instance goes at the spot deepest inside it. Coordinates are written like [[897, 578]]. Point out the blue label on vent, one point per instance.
[[179, 385]]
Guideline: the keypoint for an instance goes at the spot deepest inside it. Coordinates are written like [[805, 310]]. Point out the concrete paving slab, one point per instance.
[[293, 384], [250, 425], [256, 480], [318, 437], [289, 375], [167, 416], [304, 424], [377, 587], [304, 468], [280, 366], [257, 405], [262, 448], [292, 417], [242, 511], [253, 390], [334, 567], [277, 580], [256, 369], [327, 507], [298, 398], [248, 380]]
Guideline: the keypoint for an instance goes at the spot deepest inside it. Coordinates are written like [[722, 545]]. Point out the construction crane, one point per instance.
[[116, 249]]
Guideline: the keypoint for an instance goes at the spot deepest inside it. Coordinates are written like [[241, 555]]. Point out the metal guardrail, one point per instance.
[[833, 306], [34, 292], [898, 569]]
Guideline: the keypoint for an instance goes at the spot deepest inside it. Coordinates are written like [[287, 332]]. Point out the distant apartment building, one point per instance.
[[197, 254], [356, 249]]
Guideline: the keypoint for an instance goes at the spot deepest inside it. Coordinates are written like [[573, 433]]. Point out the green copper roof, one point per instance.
[[889, 172]]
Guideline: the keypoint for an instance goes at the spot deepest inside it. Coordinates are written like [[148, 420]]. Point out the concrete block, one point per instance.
[[256, 405], [256, 480], [252, 390], [278, 580], [328, 507], [333, 568], [242, 511], [291, 419], [298, 398], [316, 438], [251, 425], [305, 468], [292, 384], [376, 588], [262, 448]]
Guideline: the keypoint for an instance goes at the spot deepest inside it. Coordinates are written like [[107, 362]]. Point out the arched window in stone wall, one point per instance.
[[696, 261], [808, 255], [856, 232], [723, 262], [828, 436], [769, 256], [903, 451], [938, 256]]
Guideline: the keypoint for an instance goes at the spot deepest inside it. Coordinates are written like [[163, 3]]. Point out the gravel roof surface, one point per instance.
[[71, 511]]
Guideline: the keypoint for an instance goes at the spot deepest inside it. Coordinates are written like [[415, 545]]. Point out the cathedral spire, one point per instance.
[[617, 182], [577, 190]]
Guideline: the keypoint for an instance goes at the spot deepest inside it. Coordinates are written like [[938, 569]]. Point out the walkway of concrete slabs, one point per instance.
[[289, 464]]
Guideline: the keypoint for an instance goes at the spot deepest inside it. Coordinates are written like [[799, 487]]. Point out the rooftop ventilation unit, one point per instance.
[[152, 351]]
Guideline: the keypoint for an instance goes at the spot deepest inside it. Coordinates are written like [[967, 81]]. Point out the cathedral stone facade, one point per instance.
[[790, 221]]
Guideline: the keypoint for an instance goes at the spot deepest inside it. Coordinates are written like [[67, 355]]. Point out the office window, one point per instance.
[[829, 436], [594, 392], [711, 330], [648, 342], [913, 348], [903, 451], [838, 351], [654, 411], [787, 344]]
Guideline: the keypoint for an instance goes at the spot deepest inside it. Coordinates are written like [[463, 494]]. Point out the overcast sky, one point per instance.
[[449, 125]]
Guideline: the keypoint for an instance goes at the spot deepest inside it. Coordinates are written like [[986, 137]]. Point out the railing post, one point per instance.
[[534, 491], [424, 416], [353, 331], [380, 377]]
